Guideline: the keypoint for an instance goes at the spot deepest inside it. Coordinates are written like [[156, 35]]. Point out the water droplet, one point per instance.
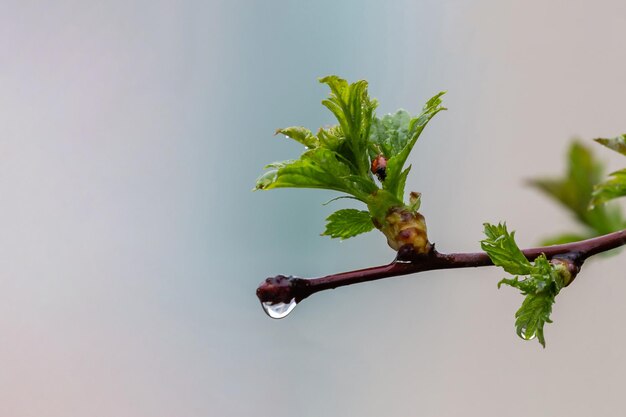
[[278, 310], [526, 335]]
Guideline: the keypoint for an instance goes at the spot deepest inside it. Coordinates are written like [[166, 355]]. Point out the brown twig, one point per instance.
[[283, 289]]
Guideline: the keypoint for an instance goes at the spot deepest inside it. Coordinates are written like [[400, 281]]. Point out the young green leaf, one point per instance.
[[574, 192], [347, 223]]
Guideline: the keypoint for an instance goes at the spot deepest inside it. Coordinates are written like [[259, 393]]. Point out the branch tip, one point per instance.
[[282, 289]]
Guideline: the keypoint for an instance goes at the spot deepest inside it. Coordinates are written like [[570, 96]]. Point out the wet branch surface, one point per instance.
[[283, 289]]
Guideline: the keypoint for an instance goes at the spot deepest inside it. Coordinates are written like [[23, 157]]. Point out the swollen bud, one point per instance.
[[403, 227]]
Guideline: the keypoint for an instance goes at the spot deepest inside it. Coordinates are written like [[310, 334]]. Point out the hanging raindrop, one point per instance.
[[526, 335], [278, 310]]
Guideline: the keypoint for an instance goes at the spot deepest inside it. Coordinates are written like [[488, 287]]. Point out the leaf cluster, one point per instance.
[[574, 192], [339, 157], [539, 281]]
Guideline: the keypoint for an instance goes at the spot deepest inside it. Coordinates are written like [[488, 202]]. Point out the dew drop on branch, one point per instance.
[[278, 310]]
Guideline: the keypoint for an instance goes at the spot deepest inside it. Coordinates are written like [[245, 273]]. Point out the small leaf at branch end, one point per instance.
[[348, 223], [618, 144]]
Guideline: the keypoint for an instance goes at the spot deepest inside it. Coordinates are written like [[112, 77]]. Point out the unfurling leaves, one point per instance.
[[340, 157], [615, 186], [541, 280]]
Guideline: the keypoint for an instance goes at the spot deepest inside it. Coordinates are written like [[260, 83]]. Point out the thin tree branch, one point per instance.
[[284, 289]]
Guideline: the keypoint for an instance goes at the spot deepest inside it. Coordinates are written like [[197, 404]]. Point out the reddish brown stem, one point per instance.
[[282, 289]]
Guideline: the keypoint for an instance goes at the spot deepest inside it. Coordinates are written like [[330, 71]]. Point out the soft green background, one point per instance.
[[130, 247]]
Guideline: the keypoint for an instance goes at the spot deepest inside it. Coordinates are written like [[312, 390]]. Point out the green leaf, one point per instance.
[[347, 223], [614, 187], [317, 168], [618, 144], [503, 251], [574, 189], [574, 193]]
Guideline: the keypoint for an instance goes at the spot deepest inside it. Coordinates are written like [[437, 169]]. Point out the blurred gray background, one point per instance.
[[131, 134]]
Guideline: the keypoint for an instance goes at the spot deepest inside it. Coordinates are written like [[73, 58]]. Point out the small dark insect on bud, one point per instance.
[[379, 167]]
